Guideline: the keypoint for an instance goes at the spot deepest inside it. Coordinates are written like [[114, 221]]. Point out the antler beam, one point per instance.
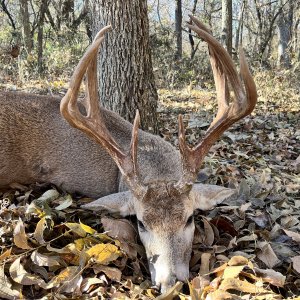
[[93, 123], [224, 72]]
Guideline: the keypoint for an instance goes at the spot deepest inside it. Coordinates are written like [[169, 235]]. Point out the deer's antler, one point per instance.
[[228, 113], [93, 123]]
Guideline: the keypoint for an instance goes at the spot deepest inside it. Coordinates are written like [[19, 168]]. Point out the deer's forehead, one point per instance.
[[166, 212]]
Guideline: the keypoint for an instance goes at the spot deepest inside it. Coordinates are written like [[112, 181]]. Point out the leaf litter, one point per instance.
[[246, 248]]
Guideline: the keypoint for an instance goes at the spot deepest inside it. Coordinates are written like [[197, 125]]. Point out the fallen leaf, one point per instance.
[[20, 275], [171, 293], [44, 260], [294, 235], [5, 254], [20, 237], [6, 291], [80, 229], [104, 253], [240, 285], [119, 228], [271, 276], [267, 255], [67, 201], [112, 273], [296, 263], [232, 271]]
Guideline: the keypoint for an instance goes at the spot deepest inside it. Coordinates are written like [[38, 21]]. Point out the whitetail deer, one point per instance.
[[134, 172]]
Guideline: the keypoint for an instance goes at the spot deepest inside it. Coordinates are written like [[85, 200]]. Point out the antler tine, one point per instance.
[[92, 123], [228, 113]]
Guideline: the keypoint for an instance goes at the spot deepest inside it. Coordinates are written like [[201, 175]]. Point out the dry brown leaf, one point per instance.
[[296, 263], [172, 292], [119, 229], [20, 275], [5, 254], [238, 260], [6, 291], [44, 260], [112, 273], [20, 237], [220, 295], [39, 231], [209, 233], [271, 276], [267, 255], [241, 285], [294, 235], [204, 267], [88, 282]]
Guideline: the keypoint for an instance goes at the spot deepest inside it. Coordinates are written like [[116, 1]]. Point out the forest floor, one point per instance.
[[248, 248]]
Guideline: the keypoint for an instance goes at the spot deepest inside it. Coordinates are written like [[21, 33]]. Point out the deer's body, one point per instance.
[[40, 146], [133, 172]]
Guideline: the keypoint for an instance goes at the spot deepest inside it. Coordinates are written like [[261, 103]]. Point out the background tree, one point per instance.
[[226, 34], [285, 25], [126, 80], [178, 29]]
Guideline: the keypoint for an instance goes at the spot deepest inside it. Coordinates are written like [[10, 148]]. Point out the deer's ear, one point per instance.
[[207, 196], [120, 202]]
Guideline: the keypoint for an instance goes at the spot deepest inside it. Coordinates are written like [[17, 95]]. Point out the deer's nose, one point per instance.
[[167, 284]]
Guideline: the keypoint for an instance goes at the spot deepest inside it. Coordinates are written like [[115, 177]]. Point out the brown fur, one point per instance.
[[38, 145]]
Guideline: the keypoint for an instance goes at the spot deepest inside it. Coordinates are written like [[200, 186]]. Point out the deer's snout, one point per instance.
[[164, 273]]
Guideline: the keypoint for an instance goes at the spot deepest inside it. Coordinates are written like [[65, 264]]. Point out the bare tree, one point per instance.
[[178, 30], [40, 27], [226, 35], [284, 25], [239, 30], [126, 80], [26, 30]]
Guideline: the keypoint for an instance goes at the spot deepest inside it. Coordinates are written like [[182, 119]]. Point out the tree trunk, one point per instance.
[[40, 36], [226, 35], [126, 80], [239, 30], [284, 25], [178, 31], [24, 16]]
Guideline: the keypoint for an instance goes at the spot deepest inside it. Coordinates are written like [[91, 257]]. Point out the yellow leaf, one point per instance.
[[104, 253], [87, 228], [219, 295], [240, 285], [5, 254], [232, 271], [238, 261], [80, 229]]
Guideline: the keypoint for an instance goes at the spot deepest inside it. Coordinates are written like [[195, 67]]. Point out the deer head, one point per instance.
[[164, 209]]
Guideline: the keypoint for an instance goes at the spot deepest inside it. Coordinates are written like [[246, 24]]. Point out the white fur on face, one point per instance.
[[168, 254]]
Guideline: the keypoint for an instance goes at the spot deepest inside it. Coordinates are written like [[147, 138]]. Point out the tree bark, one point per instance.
[[24, 16], [178, 31], [284, 25], [239, 30], [126, 80], [226, 35], [40, 36]]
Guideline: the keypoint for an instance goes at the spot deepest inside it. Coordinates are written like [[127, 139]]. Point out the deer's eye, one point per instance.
[[189, 221], [141, 225]]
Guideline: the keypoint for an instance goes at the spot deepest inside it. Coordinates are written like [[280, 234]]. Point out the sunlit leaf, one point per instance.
[[104, 253], [20, 275], [20, 237]]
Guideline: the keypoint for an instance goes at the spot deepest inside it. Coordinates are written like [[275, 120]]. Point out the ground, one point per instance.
[[248, 248]]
